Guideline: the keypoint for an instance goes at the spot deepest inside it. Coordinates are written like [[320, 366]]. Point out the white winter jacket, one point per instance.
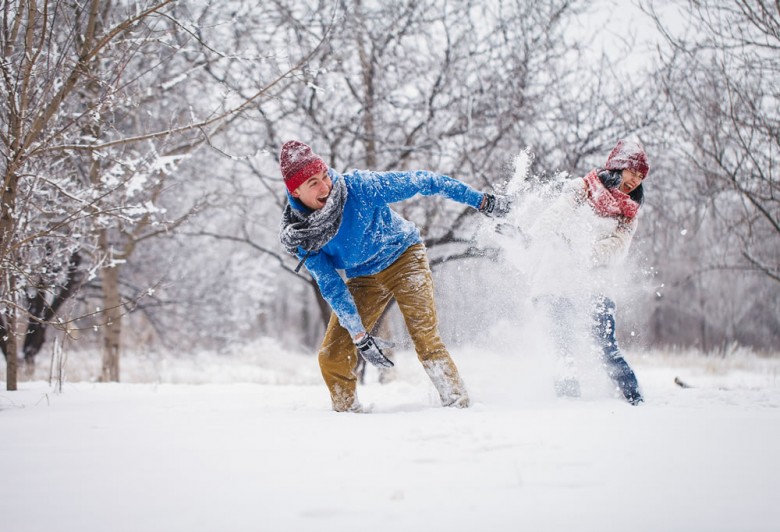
[[577, 249]]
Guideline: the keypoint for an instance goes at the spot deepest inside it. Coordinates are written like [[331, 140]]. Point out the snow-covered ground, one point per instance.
[[248, 443]]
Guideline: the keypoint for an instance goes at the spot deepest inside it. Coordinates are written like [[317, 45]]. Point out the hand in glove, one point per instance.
[[495, 206], [370, 348]]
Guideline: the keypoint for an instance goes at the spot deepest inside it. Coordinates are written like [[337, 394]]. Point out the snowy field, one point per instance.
[[248, 443]]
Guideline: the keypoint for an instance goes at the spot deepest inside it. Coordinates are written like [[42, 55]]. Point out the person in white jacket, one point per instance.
[[582, 237]]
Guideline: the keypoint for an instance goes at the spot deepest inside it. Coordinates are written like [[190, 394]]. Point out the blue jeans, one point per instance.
[[611, 358], [562, 312]]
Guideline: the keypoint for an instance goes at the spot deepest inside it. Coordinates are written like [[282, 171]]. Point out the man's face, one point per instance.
[[314, 191]]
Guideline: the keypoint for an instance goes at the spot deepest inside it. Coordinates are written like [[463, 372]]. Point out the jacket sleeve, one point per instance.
[[612, 249], [334, 290], [392, 187]]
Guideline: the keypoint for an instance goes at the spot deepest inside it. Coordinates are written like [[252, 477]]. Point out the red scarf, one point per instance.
[[609, 202]]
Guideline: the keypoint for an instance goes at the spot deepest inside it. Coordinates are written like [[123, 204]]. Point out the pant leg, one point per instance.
[[562, 316], [559, 321], [338, 356], [611, 358], [411, 283]]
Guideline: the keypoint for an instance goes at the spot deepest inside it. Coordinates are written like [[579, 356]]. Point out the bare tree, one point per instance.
[[714, 228], [722, 81], [46, 63], [96, 116]]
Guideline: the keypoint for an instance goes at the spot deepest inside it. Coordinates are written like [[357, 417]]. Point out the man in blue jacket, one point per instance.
[[343, 222]]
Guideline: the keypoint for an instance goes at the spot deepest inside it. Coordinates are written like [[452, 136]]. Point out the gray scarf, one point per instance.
[[312, 230]]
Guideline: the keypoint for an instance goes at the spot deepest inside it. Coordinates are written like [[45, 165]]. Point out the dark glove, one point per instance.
[[370, 349], [495, 206]]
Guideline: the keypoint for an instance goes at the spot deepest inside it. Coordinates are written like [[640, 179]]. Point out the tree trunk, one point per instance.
[[41, 312], [7, 206], [11, 347], [112, 330]]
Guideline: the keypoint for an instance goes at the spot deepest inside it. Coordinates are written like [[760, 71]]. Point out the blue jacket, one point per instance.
[[372, 236]]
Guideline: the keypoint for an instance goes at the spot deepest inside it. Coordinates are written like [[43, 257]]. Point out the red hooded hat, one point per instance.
[[628, 154]]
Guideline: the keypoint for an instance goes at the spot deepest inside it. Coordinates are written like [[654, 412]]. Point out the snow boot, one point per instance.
[[445, 378], [633, 397], [345, 399]]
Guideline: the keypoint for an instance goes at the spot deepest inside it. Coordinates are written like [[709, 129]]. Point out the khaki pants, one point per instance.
[[409, 281]]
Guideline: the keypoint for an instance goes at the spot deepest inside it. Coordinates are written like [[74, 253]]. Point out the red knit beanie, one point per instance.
[[299, 163], [628, 154]]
